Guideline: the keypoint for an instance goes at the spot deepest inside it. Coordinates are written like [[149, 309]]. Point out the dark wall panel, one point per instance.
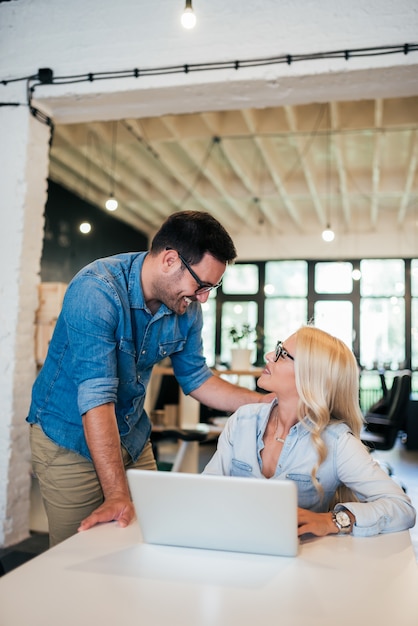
[[66, 249]]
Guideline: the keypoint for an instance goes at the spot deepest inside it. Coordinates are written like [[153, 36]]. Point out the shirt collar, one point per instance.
[[135, 292]]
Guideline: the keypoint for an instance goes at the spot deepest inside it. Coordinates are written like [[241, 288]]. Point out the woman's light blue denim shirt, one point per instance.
[[104, 346], [382, 505]]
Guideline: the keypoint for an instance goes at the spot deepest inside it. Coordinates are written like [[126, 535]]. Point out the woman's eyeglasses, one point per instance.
[[203, 287], [282, 352]]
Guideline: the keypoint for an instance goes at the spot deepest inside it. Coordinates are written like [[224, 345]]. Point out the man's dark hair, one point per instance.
[[192, 234]]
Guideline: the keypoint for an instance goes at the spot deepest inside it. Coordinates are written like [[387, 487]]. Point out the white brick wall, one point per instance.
[[24, 156]]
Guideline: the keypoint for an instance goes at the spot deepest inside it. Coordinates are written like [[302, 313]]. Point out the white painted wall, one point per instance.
[[92, 36], [24, 169]]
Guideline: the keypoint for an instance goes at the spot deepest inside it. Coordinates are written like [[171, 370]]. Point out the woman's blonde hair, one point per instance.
[[327, 381]]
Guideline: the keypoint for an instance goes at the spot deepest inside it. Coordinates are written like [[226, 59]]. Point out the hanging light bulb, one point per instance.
[[328, 234], [111, 203], [85, 228], [188, 18]]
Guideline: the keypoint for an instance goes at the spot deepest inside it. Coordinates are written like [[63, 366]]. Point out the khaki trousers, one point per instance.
[[69, 484]]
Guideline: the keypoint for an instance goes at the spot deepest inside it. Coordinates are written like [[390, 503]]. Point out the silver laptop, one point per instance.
[[216, 512]]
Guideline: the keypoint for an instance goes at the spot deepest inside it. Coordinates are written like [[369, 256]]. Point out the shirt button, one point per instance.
[[143, 351]]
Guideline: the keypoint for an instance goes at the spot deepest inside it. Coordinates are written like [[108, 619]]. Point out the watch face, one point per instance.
[[343, 519]]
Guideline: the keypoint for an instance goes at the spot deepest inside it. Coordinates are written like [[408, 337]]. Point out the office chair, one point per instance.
[[383, 425], [185, 436]]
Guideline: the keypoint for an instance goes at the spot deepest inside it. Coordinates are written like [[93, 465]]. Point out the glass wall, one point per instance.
[[382, 314], [371, 304], [286, 298]]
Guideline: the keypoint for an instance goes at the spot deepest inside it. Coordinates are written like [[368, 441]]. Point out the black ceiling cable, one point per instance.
[[258, 62], [16, 80], [45, 76]]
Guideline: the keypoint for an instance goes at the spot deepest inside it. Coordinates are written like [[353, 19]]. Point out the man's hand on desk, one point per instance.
[[118, 508]]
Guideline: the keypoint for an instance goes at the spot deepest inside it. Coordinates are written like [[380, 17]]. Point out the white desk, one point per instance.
[[104, 576]]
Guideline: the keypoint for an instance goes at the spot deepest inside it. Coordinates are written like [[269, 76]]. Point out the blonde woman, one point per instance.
[[310, 434]]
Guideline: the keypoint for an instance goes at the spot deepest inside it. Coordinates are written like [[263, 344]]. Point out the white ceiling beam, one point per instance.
[[410, 176], [377, 149], [270, 162], [303, 160], [337, 148]]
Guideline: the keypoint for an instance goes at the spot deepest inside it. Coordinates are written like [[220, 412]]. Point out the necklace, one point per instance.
[[276, 419]]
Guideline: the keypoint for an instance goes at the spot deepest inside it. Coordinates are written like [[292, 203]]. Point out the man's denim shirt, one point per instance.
[[382, 506], [104, 346]]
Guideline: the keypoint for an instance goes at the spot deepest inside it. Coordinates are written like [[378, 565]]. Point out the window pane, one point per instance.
[[414, 277], [335, 318], [382, 277], [371, 389], [240, 278], [286, 278], [237, 314], [382, 333], [333, 277], [283, 316], [208, 331]]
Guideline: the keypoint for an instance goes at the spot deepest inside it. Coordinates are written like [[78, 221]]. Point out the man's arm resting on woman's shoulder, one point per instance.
[[220, 394]]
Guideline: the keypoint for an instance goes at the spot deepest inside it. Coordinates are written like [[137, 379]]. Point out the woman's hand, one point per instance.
[[319, 524]]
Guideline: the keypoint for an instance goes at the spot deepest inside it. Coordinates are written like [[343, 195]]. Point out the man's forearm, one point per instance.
[[103, 440], [220, 394]]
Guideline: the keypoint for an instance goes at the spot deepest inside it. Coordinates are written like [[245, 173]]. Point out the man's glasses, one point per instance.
[[203, 287], [282, 352]]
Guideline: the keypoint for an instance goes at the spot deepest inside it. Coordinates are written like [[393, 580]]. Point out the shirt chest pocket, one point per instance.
[[239, 468], [166, 348]]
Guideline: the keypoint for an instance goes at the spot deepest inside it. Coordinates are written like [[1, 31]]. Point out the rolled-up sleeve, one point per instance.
[[93, 341], [96, 391], [382, 505]]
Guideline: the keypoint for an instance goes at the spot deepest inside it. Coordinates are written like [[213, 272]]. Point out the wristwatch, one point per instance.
[[342, 521]]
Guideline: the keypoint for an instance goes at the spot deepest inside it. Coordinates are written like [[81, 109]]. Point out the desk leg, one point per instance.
[[187, 458], [189, 416], [189, 411]]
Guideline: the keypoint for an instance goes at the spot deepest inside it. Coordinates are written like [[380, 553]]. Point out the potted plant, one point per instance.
[[242, 337]]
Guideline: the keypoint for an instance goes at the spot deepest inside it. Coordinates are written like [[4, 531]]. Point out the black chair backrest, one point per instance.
[[387, 404], [383, 383], [399, 399], [384, 403], [381, 429]]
